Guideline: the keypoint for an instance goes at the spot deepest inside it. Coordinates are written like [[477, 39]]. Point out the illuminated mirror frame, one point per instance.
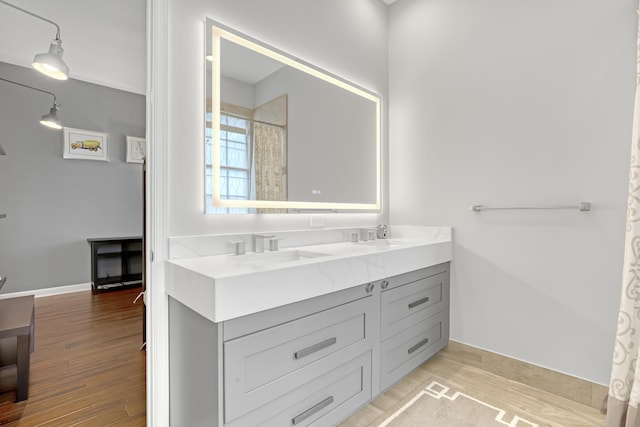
[[218, 33]]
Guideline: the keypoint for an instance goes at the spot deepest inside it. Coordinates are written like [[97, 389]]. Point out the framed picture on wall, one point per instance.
[[136, 149], [85, 144]]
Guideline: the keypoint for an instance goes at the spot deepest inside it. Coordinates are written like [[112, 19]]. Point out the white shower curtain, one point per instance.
[[624, 388]]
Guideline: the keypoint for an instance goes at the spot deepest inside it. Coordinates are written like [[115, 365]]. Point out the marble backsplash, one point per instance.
[[218, 244]]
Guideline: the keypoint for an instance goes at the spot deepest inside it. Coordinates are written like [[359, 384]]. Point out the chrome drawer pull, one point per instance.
[[316, 347], [417, 303], [315, 408], [417, 346]]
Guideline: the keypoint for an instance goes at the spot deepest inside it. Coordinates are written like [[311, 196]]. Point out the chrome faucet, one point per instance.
[[239, 247], [368, 233], [273, 244], [258, 241]]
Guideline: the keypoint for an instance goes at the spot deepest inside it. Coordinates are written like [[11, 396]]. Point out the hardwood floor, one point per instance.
[[87, 368]]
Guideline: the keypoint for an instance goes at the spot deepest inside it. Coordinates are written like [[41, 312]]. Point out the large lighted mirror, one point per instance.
[[283, 135]]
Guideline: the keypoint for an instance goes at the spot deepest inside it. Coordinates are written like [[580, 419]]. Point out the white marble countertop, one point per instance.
[[223, 287]]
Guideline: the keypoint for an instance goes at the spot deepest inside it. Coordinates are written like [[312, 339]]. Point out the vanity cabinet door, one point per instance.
[[414, 320], [407, 350], [324, 400], [412, 303], [260, 367]]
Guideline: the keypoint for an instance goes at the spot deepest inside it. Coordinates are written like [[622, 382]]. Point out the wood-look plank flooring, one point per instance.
[[87, 368], [504, 393]]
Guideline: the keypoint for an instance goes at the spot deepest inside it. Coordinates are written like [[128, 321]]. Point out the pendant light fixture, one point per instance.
[[49, 63], [50, 119]]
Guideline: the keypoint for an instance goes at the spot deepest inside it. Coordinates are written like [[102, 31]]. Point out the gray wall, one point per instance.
[[53, 204], [530, 102]]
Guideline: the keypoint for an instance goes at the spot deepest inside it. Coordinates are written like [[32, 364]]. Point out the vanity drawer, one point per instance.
[[262, 366], [404, 352], [323, 401], [412, 303]]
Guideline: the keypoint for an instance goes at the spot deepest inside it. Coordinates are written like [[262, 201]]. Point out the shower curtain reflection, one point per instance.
[[268, 164]]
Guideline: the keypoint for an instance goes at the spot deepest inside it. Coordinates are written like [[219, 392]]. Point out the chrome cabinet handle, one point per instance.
[[418, 302], [309, 412], [314, 348], [417, 346], [385, 284], [370, 287]]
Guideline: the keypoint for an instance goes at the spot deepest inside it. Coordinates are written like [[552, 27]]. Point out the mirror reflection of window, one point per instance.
[[253, 155], [235, 162], [234, 158]]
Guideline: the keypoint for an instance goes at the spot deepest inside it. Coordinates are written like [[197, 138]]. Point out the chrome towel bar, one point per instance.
[[583, 207]]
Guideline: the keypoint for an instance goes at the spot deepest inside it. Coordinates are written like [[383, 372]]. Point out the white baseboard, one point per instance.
[[58, 290]]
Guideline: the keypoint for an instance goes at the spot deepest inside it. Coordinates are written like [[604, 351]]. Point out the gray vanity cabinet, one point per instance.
[[302, 370], [414, 321], [313, 362], [307, 363]]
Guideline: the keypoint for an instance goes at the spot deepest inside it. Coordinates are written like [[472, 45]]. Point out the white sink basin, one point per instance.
[[383, 243], [270, 258]]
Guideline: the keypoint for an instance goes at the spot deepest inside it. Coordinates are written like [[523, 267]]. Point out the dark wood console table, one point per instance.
[[17, 320], [116, 261]]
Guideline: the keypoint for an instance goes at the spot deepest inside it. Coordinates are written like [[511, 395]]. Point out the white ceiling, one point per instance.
[[104, 41]]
